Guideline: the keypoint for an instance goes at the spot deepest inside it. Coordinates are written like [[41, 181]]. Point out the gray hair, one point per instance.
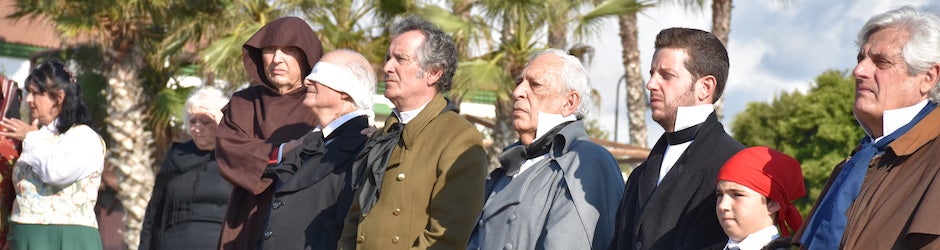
[[207, 97], [575, 77], [922, 50], [438, 51]]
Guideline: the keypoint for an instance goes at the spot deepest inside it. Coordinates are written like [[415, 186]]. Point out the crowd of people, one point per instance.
[[293, 162]]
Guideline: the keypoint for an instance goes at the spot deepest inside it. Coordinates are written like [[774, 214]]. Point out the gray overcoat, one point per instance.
[[567, 200]]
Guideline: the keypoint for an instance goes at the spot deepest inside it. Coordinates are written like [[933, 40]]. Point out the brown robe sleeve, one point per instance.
[[240, 149]]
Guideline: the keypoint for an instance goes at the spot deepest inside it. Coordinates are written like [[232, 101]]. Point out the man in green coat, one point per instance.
[[419, 181]]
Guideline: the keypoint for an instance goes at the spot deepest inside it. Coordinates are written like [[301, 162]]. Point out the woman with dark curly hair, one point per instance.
[[57, 176]]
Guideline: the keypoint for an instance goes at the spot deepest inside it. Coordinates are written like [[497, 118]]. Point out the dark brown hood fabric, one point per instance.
[[256, 120], [285, 31]]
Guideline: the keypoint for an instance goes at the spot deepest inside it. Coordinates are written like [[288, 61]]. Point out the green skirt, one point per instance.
[[35, 236]]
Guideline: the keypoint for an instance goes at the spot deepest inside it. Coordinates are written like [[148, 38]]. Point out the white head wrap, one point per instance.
[[343, 80]]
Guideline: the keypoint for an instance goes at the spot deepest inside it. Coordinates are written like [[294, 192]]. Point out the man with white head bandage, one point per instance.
[[313, 193]]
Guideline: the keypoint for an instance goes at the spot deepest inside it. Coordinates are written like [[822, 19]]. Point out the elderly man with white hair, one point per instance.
[[313, 192], [885, 194], [554, 189]]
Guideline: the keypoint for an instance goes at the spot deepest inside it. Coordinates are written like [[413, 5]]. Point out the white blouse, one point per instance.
[[57, 176]]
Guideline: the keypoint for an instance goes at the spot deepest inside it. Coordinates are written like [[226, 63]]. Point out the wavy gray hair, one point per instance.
[[438, 51], [922, 50]]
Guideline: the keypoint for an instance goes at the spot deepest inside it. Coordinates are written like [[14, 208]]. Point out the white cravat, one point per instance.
[[685, 117]]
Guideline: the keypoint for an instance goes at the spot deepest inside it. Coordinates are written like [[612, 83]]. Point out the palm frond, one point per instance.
[[591, 22]]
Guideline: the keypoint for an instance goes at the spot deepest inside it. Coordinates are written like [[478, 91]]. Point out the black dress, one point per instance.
[[188, 202]]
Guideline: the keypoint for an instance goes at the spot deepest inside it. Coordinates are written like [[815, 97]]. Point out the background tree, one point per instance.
[[522, 29], [636, 100], [817, 128], [116, 29], [123, 52]]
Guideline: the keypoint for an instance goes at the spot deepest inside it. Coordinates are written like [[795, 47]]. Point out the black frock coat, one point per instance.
[[314, 190], [679, 213]]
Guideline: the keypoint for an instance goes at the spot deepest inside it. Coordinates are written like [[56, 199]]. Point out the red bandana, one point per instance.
[[772, 174]]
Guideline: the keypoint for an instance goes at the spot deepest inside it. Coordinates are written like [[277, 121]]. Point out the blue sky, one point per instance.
[[773, 47]]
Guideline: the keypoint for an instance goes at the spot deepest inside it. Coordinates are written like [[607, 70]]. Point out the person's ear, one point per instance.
[[930, 78], [432, 75], [705, 89], [59, 97], [773, 206], [572, 102], [346, 97]]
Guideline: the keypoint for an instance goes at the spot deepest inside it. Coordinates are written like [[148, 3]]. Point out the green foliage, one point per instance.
[[93, 86], [816, 128], [172, 100]]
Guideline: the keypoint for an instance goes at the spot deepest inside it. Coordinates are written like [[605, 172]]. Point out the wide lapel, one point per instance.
[[922, 133], [416, 125], [647, 180], [346, 142], [509, 196], [677, 183], [514, 191]]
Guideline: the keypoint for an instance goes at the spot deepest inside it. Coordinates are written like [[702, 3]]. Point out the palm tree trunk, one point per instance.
[[721, 27], [129, 156], [636, 90], [558, 35], [503, 132]]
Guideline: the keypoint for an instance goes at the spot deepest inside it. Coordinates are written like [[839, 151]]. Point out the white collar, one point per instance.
[[52, 127], [894, 119], [340, 121], [755, 240], [407, 116], [548, 121], [692, 115]]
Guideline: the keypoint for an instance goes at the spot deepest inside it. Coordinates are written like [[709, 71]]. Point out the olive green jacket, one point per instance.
[[432, 190]]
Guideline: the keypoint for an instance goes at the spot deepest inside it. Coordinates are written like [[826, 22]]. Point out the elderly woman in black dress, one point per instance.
[[190, 197]]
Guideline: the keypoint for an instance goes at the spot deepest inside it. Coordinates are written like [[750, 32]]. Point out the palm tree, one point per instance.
[[636, 99], [522, 31], [126, 42], [117, 30], [626, 13]]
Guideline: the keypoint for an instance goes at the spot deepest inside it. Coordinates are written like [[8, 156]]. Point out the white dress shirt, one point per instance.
[[685, 117], [339, 121], [407, 116]]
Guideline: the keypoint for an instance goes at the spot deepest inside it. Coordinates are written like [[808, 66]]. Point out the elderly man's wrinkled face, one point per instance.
[[325, 101], [882, 81], [540, 89], [283, 66]]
